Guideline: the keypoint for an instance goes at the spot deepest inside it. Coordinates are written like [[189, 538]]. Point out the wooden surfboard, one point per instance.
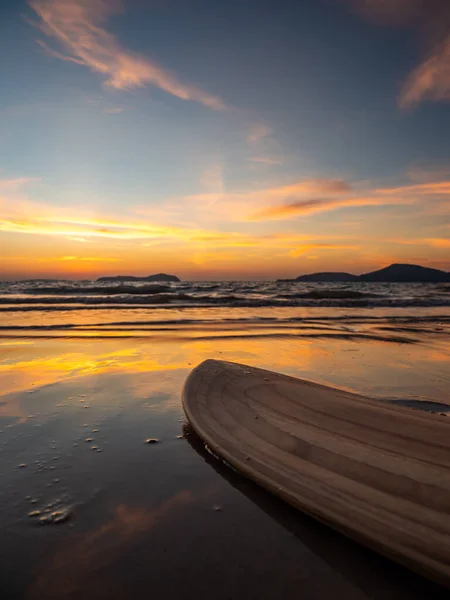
[[377, 472]]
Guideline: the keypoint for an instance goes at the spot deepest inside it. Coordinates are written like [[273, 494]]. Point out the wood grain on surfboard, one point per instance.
[[377, 472]]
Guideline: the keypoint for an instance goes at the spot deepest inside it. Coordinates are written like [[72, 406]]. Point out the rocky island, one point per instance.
[[396, 273]]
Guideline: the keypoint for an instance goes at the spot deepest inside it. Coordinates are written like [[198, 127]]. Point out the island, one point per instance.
[[398, 273], [156, 277], [395, 273]]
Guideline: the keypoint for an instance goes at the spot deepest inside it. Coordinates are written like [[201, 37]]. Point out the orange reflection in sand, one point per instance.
[[21, 375], [365, 366], [25, 368], [71, 567]]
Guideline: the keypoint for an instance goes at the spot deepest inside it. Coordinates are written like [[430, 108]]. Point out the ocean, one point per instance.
[[89, 308]]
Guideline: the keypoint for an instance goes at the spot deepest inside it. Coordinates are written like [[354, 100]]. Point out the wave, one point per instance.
[[381, 322], [332, 294], [97, 289], [182, 300], [170, 302], [229, 336]]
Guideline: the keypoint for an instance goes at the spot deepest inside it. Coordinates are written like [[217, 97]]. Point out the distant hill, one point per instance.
[[396, 273], [328, 276], [156, 277]]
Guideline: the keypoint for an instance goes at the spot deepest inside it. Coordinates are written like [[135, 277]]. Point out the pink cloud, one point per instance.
[[430, 80], [77, 26], [307, 207], [265, 160], [403, 195], [258, 132]]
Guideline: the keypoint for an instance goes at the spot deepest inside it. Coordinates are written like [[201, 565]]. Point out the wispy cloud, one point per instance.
[[58, 222], [211, 178], [304, 187], [439, 242], [430, 80], [14, 185], [89, 258], [258, 132], [78, 239], [77, 25], [406, 195], [433, 242], [228, 206], [113, 110], [264, 147], [308, 207], [434, 188], [300, 250], [265, 160]]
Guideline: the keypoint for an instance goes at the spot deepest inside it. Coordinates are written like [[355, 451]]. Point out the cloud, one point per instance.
[[14, 185], [113, 110], [88, 258], [295, 252], [430, 80], [304, 187], [432, 242], [302, 198], [405, 195], [59, 221], [429, 173], [78, 239], [262, 142], [211, 178], [434, 188], [77, 27], [258, 132], [307, 207], [265, 160], [439, 242]]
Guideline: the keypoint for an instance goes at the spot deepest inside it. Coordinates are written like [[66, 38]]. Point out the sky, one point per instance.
[[223, 139]]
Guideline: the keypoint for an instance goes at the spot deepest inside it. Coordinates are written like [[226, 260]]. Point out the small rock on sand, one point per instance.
[[151, 441]]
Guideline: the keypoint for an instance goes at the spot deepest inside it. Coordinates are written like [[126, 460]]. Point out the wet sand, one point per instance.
[[115, 517]]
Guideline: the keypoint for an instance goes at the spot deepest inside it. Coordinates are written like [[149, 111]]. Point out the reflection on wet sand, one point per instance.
[[80, 557], [373, 368], [142, 515]]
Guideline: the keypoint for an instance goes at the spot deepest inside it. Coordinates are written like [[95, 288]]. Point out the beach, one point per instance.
[[89, 509]]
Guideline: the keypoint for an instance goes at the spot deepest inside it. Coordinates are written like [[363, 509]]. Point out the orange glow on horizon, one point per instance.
[[261, 234]]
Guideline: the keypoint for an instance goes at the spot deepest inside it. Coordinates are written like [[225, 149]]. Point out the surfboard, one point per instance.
[[377, 472]]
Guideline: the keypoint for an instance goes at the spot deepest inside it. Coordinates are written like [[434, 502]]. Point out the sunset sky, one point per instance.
[[223, 139]]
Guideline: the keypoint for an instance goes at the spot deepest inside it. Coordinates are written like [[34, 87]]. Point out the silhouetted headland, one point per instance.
[[396, 273], [155, 277]]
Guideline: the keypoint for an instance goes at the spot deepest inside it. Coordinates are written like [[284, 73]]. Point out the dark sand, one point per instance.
[[167, 519]]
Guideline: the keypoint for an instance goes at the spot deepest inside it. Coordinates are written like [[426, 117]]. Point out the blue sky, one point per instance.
[[230, 139]]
